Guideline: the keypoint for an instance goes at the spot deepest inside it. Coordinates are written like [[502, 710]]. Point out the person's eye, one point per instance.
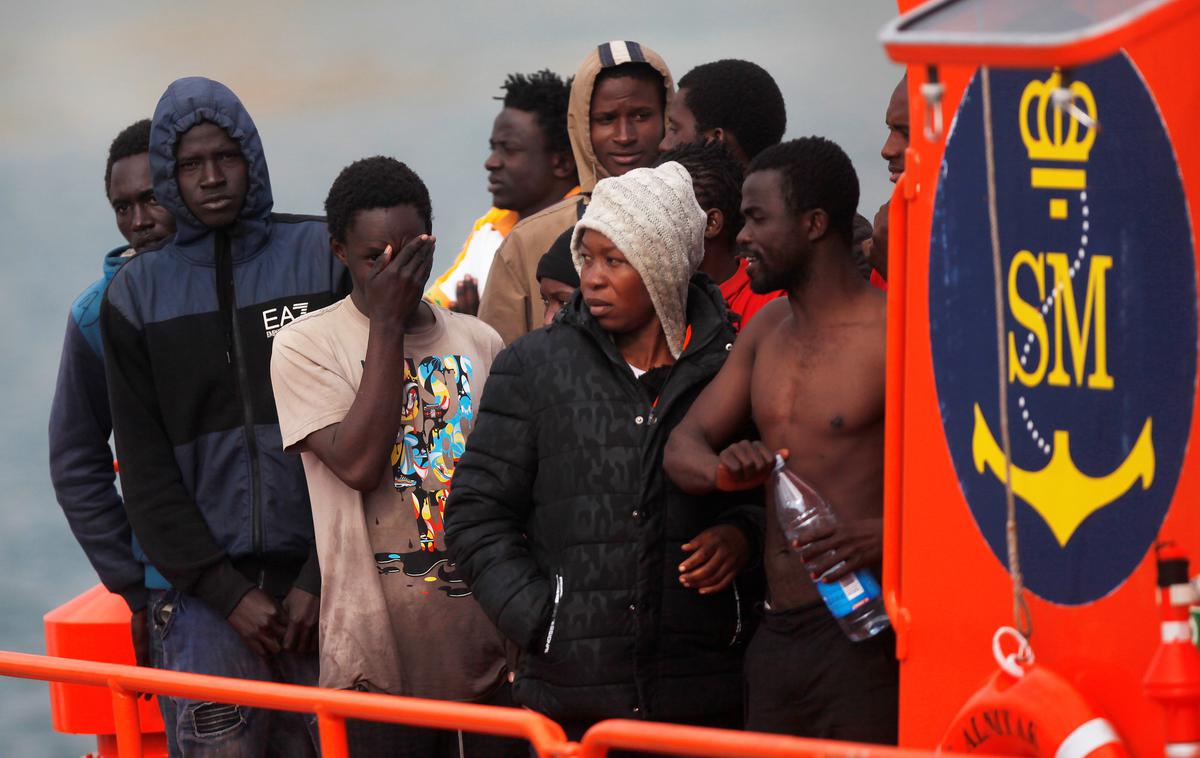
[[121, 209], [545, 303], [189, 165]]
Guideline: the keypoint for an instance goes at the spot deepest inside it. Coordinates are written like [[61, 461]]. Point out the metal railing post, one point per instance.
[[127, 720], [332, 728]]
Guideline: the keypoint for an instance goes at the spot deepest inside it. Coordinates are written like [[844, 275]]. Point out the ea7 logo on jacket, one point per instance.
[[275, 319]]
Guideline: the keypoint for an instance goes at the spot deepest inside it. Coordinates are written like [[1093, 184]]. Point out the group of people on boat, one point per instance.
[[536, 480]]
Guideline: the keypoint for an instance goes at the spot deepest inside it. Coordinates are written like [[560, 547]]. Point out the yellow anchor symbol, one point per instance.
[[1061, 494]]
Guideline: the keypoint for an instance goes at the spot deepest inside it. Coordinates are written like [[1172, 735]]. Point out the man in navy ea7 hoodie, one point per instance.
[[217, 507]]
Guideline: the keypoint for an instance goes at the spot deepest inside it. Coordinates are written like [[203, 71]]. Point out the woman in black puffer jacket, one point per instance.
[[560, 517]]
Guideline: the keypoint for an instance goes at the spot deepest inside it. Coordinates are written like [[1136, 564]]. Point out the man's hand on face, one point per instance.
[[260, 622], [848, 546], [397, 280], [466, 296], [303, 611], [717, 555], [745, 465]]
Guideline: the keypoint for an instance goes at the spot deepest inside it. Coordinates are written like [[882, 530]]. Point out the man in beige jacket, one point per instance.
[[615, 121]]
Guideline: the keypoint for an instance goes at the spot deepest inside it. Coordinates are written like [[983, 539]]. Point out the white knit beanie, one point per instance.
[[652, 217]]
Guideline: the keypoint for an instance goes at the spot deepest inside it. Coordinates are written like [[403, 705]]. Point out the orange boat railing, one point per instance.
[[333, 707]]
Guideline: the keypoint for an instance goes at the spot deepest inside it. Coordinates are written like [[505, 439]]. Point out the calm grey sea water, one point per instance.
[[326, 85]]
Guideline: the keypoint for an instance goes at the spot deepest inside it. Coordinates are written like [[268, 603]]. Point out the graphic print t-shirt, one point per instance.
[[395, 616]]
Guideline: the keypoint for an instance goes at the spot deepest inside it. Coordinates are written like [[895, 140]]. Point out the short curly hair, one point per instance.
[[816, 173], [546, 96], [378, 182], [740, 97], [133, 140], [716, 179]]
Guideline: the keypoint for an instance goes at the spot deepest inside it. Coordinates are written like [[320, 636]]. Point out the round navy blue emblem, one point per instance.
[[1099, 317]]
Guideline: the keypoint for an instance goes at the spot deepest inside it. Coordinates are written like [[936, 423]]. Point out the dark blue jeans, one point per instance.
[[166, 705], [192, 637]]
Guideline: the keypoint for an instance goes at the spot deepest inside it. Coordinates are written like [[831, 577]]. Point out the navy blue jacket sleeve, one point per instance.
[[168, 523], [81, 469]]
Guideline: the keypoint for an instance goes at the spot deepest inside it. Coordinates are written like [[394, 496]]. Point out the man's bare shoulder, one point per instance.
[[873, 303], [870, 308], [766, 322]]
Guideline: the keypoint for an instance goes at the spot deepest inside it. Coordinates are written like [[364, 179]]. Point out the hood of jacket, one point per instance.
[[188, 102], [114, 259], [579, 110]]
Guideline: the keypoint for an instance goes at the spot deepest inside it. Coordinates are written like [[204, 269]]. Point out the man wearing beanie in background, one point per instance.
[[619, 588], [615, 122], [557, 277]]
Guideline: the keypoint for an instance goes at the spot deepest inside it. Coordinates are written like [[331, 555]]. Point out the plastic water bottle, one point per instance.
[[855, 599]]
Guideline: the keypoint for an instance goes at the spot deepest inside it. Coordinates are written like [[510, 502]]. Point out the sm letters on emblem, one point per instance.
[[1076, 333]]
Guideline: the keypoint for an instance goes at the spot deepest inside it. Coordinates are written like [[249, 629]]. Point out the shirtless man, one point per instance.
[[809, 371]]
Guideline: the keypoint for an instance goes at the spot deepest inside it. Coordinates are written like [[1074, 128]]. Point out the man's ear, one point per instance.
[[715, 223], [563, 165], [339, 251], [729, 140], [817, 225]]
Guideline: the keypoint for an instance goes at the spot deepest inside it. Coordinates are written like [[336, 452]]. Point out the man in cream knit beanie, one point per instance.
[[652, 217]]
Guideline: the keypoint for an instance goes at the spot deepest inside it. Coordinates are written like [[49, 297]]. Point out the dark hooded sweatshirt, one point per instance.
[[214, 502], [81, 462]]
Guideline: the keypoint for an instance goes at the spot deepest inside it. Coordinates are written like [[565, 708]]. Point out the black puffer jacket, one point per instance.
[[569, 534]]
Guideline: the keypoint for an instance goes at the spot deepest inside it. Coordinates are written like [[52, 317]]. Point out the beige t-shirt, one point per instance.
[[395, 616]]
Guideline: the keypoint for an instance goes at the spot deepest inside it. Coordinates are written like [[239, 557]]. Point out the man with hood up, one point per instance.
[[217, 507], [615, 120]]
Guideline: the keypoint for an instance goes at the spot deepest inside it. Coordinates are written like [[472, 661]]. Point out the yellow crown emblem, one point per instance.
[[1058, 137]]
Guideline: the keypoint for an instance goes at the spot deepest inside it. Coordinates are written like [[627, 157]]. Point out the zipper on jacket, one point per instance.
[[227, 298], [558, 592], [737, 609]]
